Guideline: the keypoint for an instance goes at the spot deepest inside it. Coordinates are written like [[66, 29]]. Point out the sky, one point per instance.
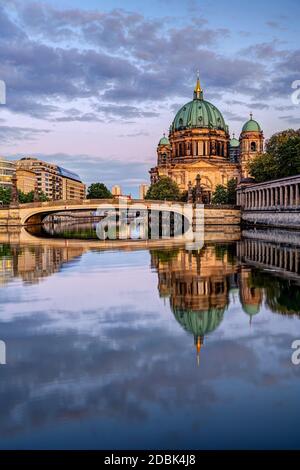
[[92, 85]]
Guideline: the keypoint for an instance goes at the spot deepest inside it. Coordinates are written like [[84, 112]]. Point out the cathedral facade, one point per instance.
[[199, 143]]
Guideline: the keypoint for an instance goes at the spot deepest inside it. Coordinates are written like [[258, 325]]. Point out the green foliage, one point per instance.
[[5, 251], [225, 194], [5, 196], [231, 191], [282, 295], [220, 196], [164, 255], [164, 189], [281, 159], [23, 198], [98, 191], [29, 197], [263, 167], [42, 197]]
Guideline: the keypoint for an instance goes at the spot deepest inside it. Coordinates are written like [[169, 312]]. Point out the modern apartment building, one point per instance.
[[7, 171], [26, 180], [54, 181]]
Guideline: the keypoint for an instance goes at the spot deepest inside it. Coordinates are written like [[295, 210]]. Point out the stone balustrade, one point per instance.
[[281, 194]]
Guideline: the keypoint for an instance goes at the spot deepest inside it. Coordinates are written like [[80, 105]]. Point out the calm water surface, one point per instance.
[[150, 348]]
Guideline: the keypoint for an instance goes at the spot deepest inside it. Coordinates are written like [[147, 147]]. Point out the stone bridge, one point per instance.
[[35, 213]]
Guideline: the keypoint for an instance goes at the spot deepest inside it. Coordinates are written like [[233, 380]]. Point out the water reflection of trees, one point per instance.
[[281, 295], [280, 284]]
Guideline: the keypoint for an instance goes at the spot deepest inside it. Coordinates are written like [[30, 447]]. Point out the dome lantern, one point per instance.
[[198, 92]]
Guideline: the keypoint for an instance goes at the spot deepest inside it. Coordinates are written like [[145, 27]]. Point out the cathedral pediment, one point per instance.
[[202, 164]]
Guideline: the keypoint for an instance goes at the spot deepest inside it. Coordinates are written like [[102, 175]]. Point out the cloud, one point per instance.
[[259, 105], [9, 134], [72, 115], [113, 111], [135, 134], [234, 117], [285, 108], [275, 25], [291, 119], [111, 58]]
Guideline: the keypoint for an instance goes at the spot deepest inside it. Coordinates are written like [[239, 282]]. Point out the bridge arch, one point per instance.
[[35, 213]]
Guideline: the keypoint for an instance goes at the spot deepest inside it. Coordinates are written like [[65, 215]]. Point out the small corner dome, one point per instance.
[[251, 309], [164, 141], [234, 142], [251, 126]]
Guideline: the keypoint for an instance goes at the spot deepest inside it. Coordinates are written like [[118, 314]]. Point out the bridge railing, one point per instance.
[[86, 202]]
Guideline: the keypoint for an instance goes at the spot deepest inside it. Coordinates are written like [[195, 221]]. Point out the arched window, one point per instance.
[[253, 146]]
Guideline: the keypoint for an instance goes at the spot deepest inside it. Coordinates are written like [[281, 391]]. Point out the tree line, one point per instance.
[[280, 159]]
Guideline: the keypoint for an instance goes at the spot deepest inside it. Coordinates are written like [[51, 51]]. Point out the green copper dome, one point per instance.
[[199, 323], [234, 142], [198, 114], [164, 141], [251, 309], [251, 126]]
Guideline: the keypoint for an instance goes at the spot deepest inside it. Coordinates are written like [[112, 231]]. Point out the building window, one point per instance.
[[253, 146]]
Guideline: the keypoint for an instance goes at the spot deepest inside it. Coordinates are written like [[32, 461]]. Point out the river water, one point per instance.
[[140, 347]]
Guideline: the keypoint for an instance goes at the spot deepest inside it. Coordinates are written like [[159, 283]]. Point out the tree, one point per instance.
[[29, 197], [225, 194], [281, 159], [231, 191], [98, 191], [220, 195], [288, 157], [164, 189], [274, 143], [5, 196], [42, 197], [263, 167]]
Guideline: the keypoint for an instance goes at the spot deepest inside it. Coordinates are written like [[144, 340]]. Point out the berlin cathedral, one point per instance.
[[199, 143]]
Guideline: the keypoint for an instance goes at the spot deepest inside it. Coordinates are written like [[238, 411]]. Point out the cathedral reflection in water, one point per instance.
[[198, 284]]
